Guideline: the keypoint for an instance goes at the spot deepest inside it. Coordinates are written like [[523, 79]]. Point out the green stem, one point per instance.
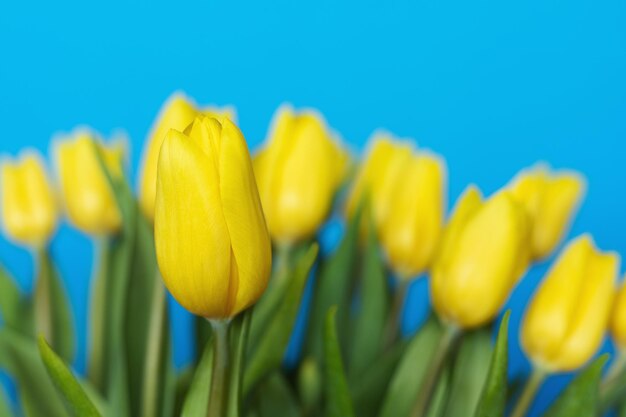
[[218, 397], [528, 394], [612, 386], [394, 320], [154, 351], [95, 370], [43, 302], [446, 344]]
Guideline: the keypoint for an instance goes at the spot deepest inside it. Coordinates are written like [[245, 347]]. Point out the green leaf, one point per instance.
[[147, 335], [410, 372], [268, 354], [369, 326], [19, 356], [275, 398], [493, 398], [238, 338], [96, 369], [581, 396], [368, 390], [469, 373], [10, 298], [337, 393], [197, 398], [76, 401], [117, 286], [53, 317], [5, 406], [621, 411], [333, 287]]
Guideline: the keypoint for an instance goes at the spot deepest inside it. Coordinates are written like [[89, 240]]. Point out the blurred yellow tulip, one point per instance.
[[212, 243], [618, 317], [568, 316], [299, 172], [29, 206], [483, 254], [378, 176], [551, 200], [177, 112], [410, 232], [87, 194]]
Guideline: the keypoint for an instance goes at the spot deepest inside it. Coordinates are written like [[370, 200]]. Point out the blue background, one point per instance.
[[492, 85]]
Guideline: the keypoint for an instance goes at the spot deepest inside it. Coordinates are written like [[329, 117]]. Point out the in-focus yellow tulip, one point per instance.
[[88, 197], [177, 113], [298, 172], [551, 200], [618, 318], [378, 176], [483, 254], [29, 206], [410, 232], [568, 316], [212, 243]]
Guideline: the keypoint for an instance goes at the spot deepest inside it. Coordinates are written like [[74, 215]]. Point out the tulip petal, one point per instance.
[[191, 235], [251, 246]]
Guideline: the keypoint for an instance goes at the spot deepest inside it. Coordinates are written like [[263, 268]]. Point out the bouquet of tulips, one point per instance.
[[233, 238]]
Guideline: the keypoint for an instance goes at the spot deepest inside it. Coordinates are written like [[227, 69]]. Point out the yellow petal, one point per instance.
[[191, 235], [177, 113], [567, 318], [551, 201], [251, 246], [466, 205], [88, 197], [548, 315], [478, 275], [29, 207], [411, 231], [618, 318]]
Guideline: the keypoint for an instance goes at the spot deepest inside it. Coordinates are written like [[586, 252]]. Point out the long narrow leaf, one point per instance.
[[238, 335], [10, 297], [197, 398], [492, 401], [581, 396], [369, 326], [337, 393], [469, 372], [20, 358], [53, 316], [333, 287], [76, 401], [410, 372], [268, 355]]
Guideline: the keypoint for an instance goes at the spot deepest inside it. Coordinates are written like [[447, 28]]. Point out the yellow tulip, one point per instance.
[[298, 171], [378, 175], [618, 318], [551, 200], [410, 232], [568, 316], [483, 254], [29, 206], [212, 243], [177, 113], [88, 197]]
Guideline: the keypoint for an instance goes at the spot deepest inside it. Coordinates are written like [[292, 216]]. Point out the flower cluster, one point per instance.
[[229, 233]]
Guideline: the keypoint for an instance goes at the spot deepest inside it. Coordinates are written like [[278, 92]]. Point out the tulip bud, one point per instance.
[[298, 172], [551, 200], [88, 197], [29, 206], [411, 229], [568, 316], [212, 244], [618, 318], [177, 113], [482, 256], [377, 176]]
